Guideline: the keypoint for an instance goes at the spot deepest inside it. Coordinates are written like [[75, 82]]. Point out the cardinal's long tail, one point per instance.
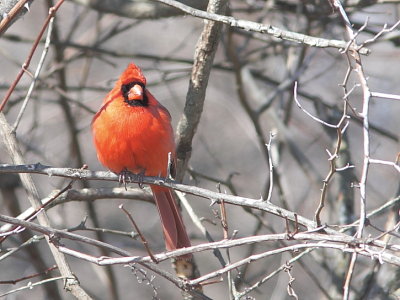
[[174, 230]]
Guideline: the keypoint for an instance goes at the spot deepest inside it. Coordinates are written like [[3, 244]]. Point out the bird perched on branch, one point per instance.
[[132, 133]]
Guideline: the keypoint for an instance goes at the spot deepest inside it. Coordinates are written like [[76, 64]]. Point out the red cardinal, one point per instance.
[[132, 132]]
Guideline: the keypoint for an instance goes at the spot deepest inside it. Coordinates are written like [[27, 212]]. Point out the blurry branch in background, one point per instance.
[[35, 76], [340, 128], [140, 9], [52, 12], [15, 153], [75, 147]]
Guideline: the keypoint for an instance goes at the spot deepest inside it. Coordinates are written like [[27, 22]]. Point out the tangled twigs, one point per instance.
[[25, 66], [340, 128]]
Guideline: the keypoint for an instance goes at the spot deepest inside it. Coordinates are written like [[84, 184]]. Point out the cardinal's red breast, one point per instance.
[[133, 130]]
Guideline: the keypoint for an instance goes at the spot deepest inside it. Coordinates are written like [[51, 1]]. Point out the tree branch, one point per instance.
[[263, 28], [204, 56]]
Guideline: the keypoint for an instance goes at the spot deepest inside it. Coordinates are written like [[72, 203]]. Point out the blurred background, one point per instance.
[[249, 95]]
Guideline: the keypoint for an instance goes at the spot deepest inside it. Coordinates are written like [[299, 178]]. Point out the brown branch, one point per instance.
[[204, 56], [25, 66], [15, 281], [340, 127], [8, 16], [144, 241]]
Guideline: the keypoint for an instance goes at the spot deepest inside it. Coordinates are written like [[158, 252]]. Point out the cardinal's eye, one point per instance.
[[124, 89]]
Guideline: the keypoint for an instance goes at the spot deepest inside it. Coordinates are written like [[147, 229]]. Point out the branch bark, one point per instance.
[[264, 28], [10, 11], [204, 56], [11, 143]]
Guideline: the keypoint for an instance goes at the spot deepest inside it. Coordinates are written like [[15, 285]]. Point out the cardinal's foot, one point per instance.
[[127, 176]]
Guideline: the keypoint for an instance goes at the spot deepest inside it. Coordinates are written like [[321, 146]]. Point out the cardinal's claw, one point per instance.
[[140, 179], [127, 176], [124, 177]]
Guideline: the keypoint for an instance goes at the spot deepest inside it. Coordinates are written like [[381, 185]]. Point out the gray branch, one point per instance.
[[139, 9], [265, 28]]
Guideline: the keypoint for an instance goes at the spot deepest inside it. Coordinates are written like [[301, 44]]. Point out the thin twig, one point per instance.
[[82, 226], [308, 113], [385, 162], [32, 285], [36, 76], [385, 96], [144, 241], [15, 281], [271, 167], [32, 215], [52, 12], [9, 17], [32, 240], [358, 68], [196, 220]]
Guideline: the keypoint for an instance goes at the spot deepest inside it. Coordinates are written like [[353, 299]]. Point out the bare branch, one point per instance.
[[204, 56], [139, 9], [262, 28], [25, 66], [385, 162], [32, 285], [385, 96], [33, 197], [10, 11], [36, 75]]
